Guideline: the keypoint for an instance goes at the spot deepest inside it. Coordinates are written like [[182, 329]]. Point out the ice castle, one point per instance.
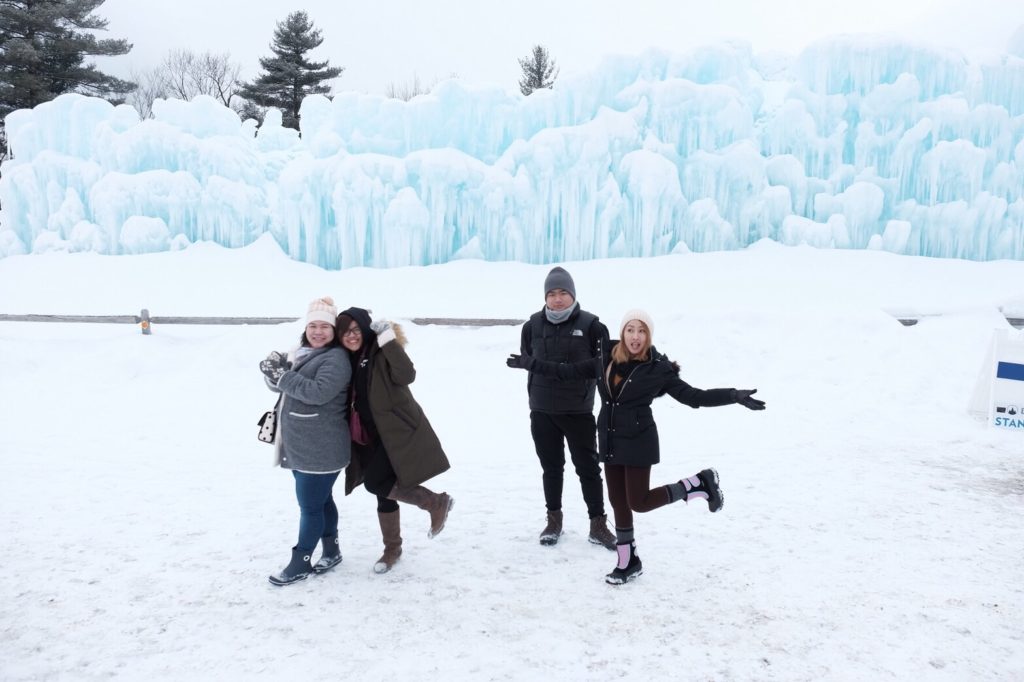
[[855, 143]]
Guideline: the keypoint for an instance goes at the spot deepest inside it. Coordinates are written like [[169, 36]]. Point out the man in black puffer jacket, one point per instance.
[[562, 410]]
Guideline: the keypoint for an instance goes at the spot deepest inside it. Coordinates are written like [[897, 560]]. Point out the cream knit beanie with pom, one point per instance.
[[322, 310]]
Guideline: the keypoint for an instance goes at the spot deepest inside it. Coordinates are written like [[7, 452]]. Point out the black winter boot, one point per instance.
[[702, 486], [629, 567], [297, 569], [331, 556], [709, 485]]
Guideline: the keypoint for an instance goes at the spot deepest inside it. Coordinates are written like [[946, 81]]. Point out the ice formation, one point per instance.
[[856, 143]]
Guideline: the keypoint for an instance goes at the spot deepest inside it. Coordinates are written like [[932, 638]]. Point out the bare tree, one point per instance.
[[185, 74], [411, 88], [407, 90], [148, 89]]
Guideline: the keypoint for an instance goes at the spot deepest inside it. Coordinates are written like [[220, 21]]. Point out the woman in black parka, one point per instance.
[[632, 374]]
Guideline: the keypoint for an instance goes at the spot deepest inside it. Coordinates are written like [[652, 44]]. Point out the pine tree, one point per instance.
[[289, 76], [539, 70], [43, 48]]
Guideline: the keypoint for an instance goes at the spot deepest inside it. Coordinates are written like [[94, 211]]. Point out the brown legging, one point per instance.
[[629, 490]]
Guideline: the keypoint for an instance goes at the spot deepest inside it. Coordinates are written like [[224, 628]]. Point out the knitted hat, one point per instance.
[[637, 314], [558, 278], [322, 310]]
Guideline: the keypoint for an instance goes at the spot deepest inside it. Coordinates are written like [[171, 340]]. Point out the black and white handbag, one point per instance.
[[268, 424]]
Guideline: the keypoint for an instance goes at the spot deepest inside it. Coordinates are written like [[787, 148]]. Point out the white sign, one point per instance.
[[1000, 386]]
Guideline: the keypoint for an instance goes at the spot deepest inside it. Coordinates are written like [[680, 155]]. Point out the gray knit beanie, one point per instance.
[[558, 278]]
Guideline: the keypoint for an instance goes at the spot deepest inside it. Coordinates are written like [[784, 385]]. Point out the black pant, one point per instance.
[[378, 474], [550, 433]]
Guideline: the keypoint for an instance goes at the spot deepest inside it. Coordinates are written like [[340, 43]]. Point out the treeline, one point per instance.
[[45, 45]]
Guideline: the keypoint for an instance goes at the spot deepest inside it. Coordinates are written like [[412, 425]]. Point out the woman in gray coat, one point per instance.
[[312, 435]]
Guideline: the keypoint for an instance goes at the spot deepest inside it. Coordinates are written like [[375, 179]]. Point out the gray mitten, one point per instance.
[[280, 358], [272, 369]]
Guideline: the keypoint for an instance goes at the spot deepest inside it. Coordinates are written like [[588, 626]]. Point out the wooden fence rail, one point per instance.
[[159, 319], [905, 320]]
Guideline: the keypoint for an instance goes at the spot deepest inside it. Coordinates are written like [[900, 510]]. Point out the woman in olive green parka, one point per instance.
[[394, 448]]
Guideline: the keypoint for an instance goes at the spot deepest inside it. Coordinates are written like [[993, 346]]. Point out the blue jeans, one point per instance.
[[318, 513]]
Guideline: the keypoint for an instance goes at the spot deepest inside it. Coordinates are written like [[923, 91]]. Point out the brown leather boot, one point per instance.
[[552, 531], [391, 531], [599, 533], [438, 504]]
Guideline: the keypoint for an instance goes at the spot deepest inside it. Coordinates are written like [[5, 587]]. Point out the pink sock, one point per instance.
[[623, 555], [690, 483]]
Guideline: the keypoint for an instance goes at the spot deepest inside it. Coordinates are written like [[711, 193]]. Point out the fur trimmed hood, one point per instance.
[[400, 338]]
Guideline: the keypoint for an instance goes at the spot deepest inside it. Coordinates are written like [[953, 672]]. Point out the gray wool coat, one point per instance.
[[312, 431]]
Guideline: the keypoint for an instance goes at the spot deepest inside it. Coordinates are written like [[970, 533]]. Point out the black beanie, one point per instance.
[[558, 278]]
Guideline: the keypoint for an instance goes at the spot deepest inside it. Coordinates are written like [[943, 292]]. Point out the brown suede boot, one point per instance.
[[438, 504], [391, 531], [599, 533], [552, 531]]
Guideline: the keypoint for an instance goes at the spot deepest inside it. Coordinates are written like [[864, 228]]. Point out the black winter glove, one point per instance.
[[272, 369], [516, 361], [743, 397]]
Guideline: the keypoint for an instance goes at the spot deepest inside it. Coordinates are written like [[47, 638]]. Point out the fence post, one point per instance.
[[144, 322]]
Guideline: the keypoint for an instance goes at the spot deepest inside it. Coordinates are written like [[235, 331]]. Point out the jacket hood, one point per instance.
[[361, 316]]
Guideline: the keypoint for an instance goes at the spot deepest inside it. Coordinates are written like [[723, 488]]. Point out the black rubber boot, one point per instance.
[[297, 569], [331, 556]]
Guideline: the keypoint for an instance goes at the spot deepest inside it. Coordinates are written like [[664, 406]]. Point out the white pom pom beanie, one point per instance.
[[637, 314], [322, 310]]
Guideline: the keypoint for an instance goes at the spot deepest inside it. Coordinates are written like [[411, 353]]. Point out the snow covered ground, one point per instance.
[[872, 528]]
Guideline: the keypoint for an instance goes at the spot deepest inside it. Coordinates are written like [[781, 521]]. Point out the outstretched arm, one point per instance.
[[584, 369], [713, 397], [698, 397]]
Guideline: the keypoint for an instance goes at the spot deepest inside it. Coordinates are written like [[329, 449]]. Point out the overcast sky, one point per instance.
[[387, 41]]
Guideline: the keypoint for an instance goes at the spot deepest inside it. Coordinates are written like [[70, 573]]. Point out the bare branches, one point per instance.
[[184, 74]]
